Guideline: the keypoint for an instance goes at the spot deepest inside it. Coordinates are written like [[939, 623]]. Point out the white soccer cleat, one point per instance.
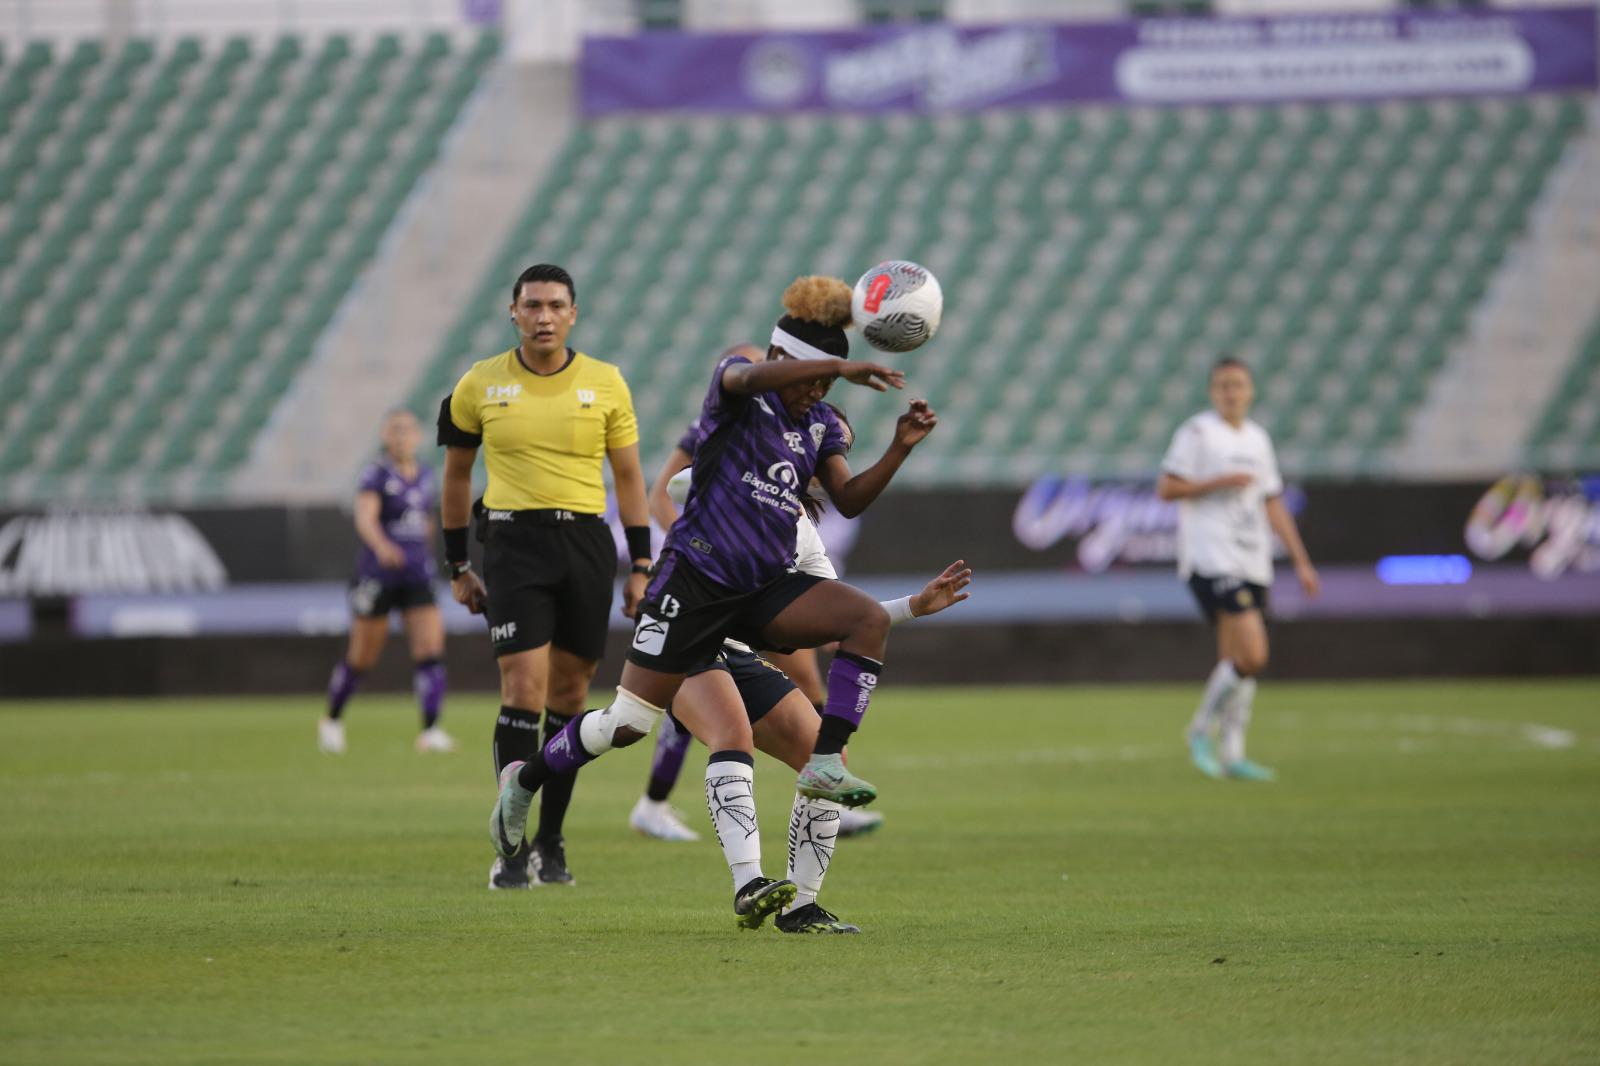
[[854, 823], [330, 736], [659, 820], [435, 739]]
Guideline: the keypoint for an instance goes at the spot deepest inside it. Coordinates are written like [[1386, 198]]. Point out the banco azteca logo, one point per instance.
[[784, 473]]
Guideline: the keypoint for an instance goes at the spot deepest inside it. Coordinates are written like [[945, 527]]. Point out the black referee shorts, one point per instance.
[[550, 576]]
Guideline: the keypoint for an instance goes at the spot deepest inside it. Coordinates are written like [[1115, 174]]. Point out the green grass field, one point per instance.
[[190, 881]]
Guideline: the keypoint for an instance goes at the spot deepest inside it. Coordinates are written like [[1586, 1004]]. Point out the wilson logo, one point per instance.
[[876, 288], [586, 396]]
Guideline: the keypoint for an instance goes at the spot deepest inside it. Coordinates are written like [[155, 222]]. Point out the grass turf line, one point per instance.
[[190, 881]]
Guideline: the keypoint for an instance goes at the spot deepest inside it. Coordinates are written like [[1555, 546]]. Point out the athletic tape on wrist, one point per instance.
[[899, 610]]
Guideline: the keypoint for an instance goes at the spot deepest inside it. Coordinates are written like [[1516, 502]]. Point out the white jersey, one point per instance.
[[1225, 533]]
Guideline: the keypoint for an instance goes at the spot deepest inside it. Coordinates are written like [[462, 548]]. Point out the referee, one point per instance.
[[545, 416]]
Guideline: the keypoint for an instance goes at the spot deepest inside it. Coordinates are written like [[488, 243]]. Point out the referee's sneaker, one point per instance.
[[546, 418]]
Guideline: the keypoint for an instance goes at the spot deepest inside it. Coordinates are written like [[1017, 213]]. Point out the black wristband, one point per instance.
[[638, 538], [455, 545], [640, 568]]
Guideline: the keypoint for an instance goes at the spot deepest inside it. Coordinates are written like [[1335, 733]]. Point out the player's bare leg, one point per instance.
[[1244, 635], [827, 612]]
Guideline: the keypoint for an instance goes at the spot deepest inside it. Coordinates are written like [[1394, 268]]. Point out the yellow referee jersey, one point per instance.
[[545, 437]]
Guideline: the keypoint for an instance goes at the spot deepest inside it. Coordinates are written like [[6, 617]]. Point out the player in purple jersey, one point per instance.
[[652, 815], [396, 503], [727, 567]]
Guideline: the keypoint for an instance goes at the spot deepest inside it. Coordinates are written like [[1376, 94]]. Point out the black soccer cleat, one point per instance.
[[760, 897], [549, 863], [812, 919], [510, 873]]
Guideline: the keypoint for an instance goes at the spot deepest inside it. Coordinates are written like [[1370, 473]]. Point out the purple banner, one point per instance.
[[1153, 61]]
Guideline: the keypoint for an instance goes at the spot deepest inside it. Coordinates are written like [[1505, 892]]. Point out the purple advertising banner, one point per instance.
[[938, 67]]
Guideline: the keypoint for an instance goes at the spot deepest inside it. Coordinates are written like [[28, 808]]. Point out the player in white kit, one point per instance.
[[1222, 471]]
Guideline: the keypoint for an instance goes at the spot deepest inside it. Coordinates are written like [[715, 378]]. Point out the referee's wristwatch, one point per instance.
[[642, 568], [457, 569]]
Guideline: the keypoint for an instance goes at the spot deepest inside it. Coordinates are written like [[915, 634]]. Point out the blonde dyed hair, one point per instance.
[[819, 299]]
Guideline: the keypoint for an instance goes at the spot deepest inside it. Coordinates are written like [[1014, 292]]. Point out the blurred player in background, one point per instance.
[[652, 815], [1223, 472], [547, 418], [727, 570], [395, 507]]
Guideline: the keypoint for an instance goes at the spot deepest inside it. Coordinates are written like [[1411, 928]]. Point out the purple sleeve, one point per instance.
[[833, 438], [371, 479], [721, 404], [690, 439]]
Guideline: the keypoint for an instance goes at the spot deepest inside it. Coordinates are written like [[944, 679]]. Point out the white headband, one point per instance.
[[796, 347]]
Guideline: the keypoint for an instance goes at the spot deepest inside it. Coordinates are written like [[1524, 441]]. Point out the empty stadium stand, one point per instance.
[[1567, 435], [178, 226], [1095, 262]]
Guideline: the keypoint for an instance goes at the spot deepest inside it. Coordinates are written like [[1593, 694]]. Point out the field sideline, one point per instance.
[[190, 881]]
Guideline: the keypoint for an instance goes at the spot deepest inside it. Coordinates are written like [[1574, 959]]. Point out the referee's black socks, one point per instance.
[[556, 795]]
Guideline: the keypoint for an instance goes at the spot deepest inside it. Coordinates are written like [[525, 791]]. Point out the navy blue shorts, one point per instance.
[[761, 685], [371, 597], [1227, 595]]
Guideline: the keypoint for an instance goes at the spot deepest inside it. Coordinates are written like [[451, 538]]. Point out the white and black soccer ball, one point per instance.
[[897, 305]]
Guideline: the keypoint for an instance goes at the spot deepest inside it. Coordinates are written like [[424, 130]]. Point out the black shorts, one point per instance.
[[686, 616], [1230, 595], [761, 685], [371, 597], [550, 577]]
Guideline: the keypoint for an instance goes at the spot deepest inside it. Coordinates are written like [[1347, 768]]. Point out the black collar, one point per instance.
[[571, 355]]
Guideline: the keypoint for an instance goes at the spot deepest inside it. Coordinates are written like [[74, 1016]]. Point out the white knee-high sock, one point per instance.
[[1235, 720], [730, 797], [1219, 686], [813, 828]]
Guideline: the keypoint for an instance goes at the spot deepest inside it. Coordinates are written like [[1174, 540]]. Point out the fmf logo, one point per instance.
[[501, 634], [502, 392]]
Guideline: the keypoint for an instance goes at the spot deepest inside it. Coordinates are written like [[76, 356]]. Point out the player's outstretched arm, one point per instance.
[[749, 378], [946, 590], [852, 495]]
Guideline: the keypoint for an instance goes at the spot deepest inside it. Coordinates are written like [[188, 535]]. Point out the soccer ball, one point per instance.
[[897, 305]]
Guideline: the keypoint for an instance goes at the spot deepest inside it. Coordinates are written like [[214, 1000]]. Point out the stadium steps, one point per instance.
[[1566, 438], [1512, 366], [178, 227], [1095, 262]]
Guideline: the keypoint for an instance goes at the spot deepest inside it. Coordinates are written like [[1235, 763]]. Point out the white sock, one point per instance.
[[1235, 720], [1219, 686], [730, 797], [813, 828]]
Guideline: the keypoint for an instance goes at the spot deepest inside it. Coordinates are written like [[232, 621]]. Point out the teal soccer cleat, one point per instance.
[[1245, 770], [509, 819], [826, 777], [1203, 753]]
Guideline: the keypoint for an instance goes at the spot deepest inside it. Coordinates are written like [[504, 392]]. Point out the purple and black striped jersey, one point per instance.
[[751, 462], [405, 512]]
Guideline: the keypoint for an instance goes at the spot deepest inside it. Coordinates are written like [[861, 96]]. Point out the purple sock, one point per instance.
[[563, 755], [672, 747], [428, 683], [851, 680], [341, 686]]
